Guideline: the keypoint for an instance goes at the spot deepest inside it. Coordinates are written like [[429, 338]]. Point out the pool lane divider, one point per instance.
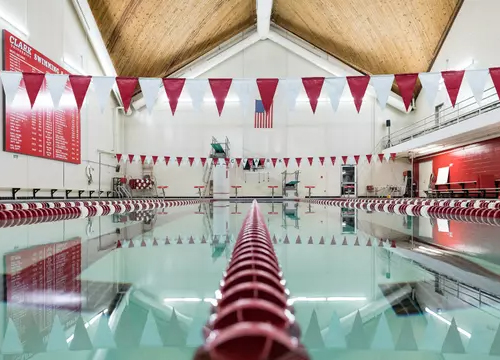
[[252, 316]]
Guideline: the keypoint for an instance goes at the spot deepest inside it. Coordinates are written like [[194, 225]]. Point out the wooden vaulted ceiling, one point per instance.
[[158, 37]]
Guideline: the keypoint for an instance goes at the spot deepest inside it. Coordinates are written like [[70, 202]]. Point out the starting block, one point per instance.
[[272, 187], [310, 187], [236, 187], [162, 188]]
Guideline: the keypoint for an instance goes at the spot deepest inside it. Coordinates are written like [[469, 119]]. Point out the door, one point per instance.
[[424, 175]]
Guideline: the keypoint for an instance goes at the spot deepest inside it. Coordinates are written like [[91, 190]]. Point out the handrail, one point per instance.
[[463, 110]]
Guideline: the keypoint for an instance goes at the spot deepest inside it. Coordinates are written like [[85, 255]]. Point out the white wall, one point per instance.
[[55, 30], [296, 133]]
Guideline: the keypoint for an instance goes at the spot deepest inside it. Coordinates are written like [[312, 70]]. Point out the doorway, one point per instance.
[[424, 176], [348, 181]]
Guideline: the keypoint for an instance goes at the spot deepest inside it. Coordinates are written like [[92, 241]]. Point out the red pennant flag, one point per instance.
[[190, 159], [126, 87], [118, 244], [173, 88], [155, 159], [495, 77], [143, 158], [406, 84], [203, 161], [369, 242], [130, 158], [238, 161], [203, 240], [179, 160], [250, 160], [215, 161], [80, 85], [310, 159], [453, 81], [393, 156], [285, 160], [333, 158], [167, 159], [298, 241], [356, 158], [267, 89], [358, 85], [344, 159], [381, 157], [33, 82], [227, 162], [286, 241], [369, 158], [313, 86], [322, 160], [143, 243], [273, 160], [298, 160], [131, 244], [118, 157], [220, 88]]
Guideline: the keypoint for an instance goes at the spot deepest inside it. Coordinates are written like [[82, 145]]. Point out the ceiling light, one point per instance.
[[442, 319]]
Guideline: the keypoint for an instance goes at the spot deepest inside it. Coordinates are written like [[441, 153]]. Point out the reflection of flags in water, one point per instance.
[[263, 119]]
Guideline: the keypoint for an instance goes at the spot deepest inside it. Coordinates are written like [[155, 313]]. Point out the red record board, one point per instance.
[[43, 131]]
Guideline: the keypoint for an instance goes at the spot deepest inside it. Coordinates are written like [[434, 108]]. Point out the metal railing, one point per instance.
[[463, 110]]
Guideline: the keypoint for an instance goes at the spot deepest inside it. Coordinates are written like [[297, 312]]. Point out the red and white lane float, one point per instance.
[[252, 318]]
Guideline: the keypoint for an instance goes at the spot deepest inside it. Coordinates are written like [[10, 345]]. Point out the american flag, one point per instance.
[[263, 119]]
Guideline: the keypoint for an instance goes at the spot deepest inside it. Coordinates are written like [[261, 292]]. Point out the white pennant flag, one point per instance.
[[382, 85], [243, 90], [102, 88], [335, 87], [430, 83], [197, 89], [244, 162], [10, 82], [292, 90], [233, 162], [56, 84], [150, 88], [477, 82]]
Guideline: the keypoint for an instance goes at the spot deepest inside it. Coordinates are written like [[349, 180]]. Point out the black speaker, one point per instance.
[[388, 123], [117, 168]]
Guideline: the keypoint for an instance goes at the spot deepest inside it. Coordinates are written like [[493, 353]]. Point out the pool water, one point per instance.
[[140, 285]]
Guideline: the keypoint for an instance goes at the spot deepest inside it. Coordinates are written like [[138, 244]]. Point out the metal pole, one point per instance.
[[412, 173], [100, 174]]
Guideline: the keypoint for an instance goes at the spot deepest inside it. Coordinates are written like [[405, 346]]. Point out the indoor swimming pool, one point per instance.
[[141, 284]]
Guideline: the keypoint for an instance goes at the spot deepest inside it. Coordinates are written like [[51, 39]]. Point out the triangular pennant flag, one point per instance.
[[273, 160], [344, 159], [173, 89], [10, 82], [335, 337], [333, 242], [131, 158], [392, 156], [203, 161], [238, 161], [381, 157], [335, 87], [356, 243], [56, 84], [167, 159], [245, 162], [220, 88], [167, 241], [313, 86], [358, 85], [11, 342], [267, 89], [312, 337], [242, 89], [118, 244], [103, 338], [33, 82], [292, 90], [197, 89], [286, 160], [345, 241], [382, 340], [262, 162], [406, 339], [190, 159], [357, 338], [179, 240], [275, 241], [310, 159], [143, 158], [322, 241], [80, 85], [322, 160], [150, 88], [150, 335], [310, 241], [453, 81], [102, 87], [382, 85], [155, 242], [333, 158], [81, 339], [369, 242], [298, 240], [495, 77], [203, 240], [286, 241], [430, 83], [179, 160], [298, 160], [406, 84], [155, 159], [57, 337], [191, 240], [477, 82], [356, 159], [250, 162], [227, 160], [143, 243], [118, 157], [452, 343], [126, 87], [369, 158], [131, 243]]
